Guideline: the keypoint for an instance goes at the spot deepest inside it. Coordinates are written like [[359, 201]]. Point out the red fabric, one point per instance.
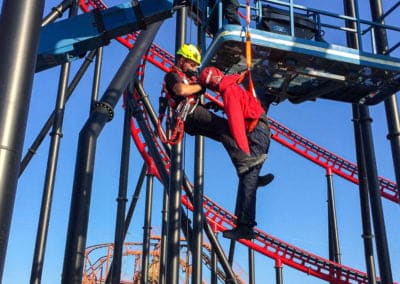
[[241, 107]]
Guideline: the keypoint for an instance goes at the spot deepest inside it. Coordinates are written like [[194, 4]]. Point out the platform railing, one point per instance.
[[326, 20]]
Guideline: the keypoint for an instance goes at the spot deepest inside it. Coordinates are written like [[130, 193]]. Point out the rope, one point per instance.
[[248, 49]]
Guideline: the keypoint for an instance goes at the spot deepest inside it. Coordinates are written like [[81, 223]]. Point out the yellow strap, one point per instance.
[[248, 48], [249, 62]]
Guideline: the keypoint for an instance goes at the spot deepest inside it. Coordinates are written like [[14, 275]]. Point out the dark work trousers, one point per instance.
[[245, 210], [203, 122]]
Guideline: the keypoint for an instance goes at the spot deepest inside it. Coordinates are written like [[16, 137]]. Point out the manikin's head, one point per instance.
[[210, 77], [189, 59]]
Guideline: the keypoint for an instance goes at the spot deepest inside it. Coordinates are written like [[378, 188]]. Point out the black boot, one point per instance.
[[249, 162], [265, 179], [242, 231]]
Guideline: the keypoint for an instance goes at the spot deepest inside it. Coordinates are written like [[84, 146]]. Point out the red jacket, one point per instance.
[[241, 107]]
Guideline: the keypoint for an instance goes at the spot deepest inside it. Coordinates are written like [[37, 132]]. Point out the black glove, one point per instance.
[[213, 106]]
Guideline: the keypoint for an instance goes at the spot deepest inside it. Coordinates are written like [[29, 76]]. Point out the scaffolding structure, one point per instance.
[[290, 62]]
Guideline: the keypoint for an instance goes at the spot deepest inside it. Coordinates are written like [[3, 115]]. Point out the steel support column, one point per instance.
[[252, 269], [391, 107], [80, 201], [334, 248], [278, 271], [362, 131], [119, 235], [175, 180], [147, 229], [19, 31], [51, 168], [375, 198], [364, 200]]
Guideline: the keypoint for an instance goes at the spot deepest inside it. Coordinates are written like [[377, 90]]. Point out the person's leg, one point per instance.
[[230, 11], [203, 122], [246, 208], [264, 147], [247, 190], [212, 21], [259, 141]]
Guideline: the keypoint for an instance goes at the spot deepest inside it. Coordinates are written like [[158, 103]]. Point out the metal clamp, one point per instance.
[[105, 108]]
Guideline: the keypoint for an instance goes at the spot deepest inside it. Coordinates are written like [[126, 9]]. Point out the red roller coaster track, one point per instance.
[[281, 252]]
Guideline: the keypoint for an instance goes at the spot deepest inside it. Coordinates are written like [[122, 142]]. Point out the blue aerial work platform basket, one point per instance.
[[303, 66]]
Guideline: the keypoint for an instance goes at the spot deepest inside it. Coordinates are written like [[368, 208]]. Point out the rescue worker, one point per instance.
[[249, 125], [229, 11], [182, 90]]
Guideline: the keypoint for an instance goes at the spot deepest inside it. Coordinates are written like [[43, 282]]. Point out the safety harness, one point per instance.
[[175, 109]]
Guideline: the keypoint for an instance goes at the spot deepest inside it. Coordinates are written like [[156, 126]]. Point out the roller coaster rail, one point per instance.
[[297, 143], [270, 246], [222, 219], [219, 218]]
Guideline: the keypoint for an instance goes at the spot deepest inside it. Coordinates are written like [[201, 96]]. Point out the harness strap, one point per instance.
[[180, 110]]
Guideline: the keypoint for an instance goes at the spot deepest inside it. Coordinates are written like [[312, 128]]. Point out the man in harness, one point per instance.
[[182, 92], [250, 129]]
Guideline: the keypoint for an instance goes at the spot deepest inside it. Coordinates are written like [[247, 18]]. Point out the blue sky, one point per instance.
[[293, 208]]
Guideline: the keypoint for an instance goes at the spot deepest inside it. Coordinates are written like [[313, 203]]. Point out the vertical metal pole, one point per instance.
[[164, 236], [19, 31], [147, 229], [334, 248], [175, 181], [82, 189], [129, 215], [198, 184], [231, 253], [45, 210], [56, 135], [278, 271], [214, 267], [291, 13], [333, 236], [122, 198], [362, 162], [393, 121], [375, 198], [198, 211], [364, 199], [252, 274], [391, 106]]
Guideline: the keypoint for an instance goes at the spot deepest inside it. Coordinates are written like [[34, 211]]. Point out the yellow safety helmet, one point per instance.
[[190, 51]]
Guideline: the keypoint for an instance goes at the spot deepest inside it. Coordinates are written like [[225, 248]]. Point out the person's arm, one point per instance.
[[175, 84], [181, 89]]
